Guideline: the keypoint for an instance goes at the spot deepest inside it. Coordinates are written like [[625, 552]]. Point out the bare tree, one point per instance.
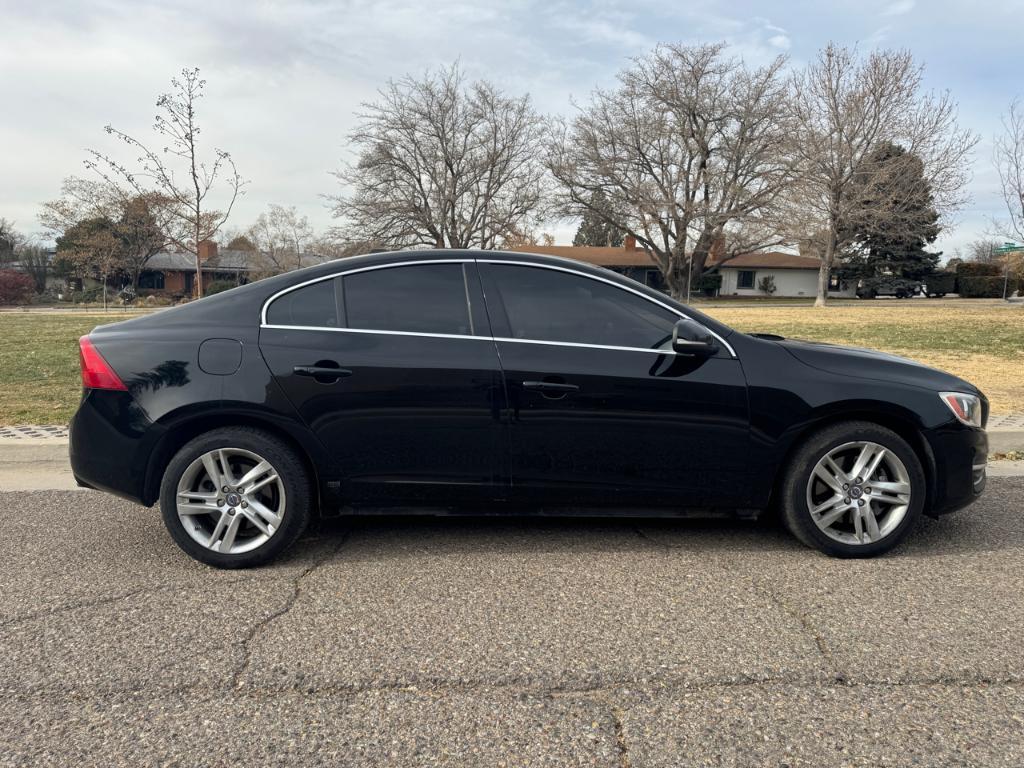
[[982, 250], [1009, 160], [9, 240], [442, 163], [280, 237], [690, 148], [35, 262], [844, 108], [141, 221], [178, 172]]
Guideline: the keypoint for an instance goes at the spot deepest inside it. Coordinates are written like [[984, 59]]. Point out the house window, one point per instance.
[[745, 278], [835, 283], [153, 281]]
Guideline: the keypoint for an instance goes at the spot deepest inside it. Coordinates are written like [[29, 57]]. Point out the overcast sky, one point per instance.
[[285, 77]]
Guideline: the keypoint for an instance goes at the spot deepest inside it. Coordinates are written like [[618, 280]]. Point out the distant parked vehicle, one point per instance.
[[899, 287]]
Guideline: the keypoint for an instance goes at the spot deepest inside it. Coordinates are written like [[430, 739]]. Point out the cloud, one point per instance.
[[286, 76], [899, 8]]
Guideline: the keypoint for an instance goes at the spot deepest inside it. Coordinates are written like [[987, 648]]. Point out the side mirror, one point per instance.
[[691, 338]]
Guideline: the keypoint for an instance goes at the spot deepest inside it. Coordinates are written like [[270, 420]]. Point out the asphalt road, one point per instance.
[[509, 642]]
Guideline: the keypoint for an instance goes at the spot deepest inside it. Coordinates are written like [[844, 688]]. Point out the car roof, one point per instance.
[[243, 304]]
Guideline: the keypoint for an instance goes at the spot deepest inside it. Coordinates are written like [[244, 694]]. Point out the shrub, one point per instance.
[[92, 295], [980, 287], [15, 287], [940, 282], [978, 269], [766, 285], [217, 286], [710, 283]]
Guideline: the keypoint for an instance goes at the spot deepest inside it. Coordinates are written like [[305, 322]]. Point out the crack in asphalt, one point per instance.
[[620, 735], [246, 642], [805, 623], [776, 599], [602, 692], [108, 599]]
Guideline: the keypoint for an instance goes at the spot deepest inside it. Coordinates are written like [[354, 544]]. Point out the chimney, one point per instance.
[[629, 243], [207, 249]]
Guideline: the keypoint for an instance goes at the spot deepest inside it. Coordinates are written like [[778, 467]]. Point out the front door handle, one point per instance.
[[325, 374], [554, 387]]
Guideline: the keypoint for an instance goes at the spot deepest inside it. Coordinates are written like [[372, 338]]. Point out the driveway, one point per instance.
[[521, 642]]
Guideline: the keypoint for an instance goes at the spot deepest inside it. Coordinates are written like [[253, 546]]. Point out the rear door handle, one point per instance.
[[550, 386], [321, 371]]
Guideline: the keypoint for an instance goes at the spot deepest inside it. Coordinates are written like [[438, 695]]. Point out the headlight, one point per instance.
[[966, 408]]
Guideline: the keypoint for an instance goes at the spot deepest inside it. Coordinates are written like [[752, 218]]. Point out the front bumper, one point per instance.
[[960, 456]]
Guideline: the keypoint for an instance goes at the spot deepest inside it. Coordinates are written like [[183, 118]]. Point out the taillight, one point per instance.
[[96, 372]]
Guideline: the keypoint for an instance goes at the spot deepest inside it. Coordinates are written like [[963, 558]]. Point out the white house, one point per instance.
[[791, 274]]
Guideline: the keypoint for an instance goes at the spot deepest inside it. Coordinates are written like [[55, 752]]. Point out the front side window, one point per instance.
[[312, 306], [548, 305], [422, 298], [745, 278]]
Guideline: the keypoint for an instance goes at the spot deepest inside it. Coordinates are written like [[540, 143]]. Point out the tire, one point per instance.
[[895, 513], [262, 523]]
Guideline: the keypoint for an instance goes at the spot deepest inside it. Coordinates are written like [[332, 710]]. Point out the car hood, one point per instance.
[[872, 364]]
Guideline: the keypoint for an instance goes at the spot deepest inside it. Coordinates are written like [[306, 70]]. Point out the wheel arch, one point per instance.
[[884, 415], [181, 429]]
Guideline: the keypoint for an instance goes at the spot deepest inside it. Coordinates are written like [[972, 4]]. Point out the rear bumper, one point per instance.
[[961, 454], [110, 442]]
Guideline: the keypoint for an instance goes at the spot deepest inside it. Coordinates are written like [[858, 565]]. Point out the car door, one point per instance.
[[601, 410], [393, 367]]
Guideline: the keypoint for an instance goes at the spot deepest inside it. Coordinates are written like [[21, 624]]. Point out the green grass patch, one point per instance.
[[40, 381]]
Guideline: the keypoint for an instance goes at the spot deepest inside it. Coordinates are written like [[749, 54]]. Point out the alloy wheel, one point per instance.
[[230, 500], [858, 493]]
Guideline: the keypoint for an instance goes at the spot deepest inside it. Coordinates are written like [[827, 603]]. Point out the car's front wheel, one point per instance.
[[235, 497], [853, 490]]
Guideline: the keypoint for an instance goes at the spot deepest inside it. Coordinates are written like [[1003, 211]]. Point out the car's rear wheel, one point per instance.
[[853, 490], [235, 497]]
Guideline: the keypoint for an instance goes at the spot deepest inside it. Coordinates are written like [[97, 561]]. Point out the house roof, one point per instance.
[[770, 260], [599, 256], [227, 260], [171, 260]]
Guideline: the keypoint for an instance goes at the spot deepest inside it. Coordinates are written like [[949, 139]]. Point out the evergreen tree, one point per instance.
[[595, 229], [894, 218]]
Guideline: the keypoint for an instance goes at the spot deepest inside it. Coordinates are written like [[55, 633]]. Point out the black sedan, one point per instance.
[[447, 381]]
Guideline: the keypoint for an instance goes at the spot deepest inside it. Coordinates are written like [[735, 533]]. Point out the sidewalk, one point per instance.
[[35, 457]]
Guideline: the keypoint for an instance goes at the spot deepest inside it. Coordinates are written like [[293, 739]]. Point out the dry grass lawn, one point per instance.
[[981, 341]]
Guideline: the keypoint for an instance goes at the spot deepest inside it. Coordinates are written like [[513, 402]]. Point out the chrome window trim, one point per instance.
[[289, 289]]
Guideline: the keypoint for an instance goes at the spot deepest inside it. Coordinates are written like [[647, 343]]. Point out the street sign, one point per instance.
[[1009, 248]]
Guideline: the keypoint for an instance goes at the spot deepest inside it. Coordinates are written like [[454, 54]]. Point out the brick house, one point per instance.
[[174, 274]]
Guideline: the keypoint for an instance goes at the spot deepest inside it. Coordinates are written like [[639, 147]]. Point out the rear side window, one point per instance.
[[314, 306], [548, 305], [429, 298]]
